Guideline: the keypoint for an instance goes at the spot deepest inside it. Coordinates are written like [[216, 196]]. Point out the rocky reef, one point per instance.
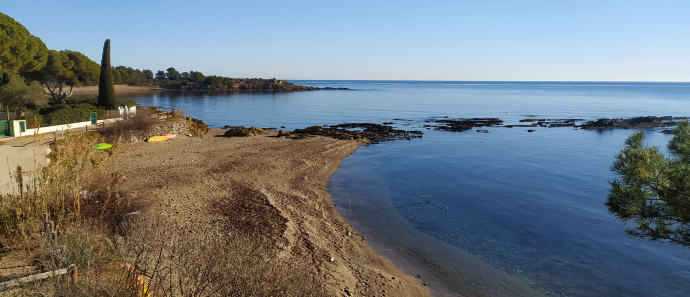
[[459, 125], [634, 123], [372, 132]]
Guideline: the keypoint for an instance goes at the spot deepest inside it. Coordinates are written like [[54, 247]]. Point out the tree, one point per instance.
[[20, 52], [172, 74], [124, 74], [148, 73], [160, 74], [106, 89], [86, 70], [57, 74], [653, 190], [184, 75], [196, 76], [15, 92]]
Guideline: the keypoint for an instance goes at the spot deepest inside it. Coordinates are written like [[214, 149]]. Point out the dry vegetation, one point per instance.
[[111, 231], [244, 131]]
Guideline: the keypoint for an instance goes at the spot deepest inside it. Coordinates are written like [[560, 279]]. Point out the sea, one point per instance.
[[481, 209]]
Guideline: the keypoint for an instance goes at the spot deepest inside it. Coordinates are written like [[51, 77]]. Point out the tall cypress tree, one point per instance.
[[106, 90]]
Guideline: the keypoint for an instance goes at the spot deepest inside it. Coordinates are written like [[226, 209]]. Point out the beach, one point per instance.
[[287, 177]]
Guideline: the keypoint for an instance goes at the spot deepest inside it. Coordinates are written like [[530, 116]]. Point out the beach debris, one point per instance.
[[332, 259]]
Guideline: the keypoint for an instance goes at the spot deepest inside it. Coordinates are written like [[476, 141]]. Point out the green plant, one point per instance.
[[106, 89], [34, 121], [653, 190]]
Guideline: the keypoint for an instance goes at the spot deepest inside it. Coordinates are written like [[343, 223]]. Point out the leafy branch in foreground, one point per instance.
[[653, 190]]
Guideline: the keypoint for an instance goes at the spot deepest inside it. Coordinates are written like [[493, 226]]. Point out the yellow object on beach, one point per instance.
[[157, 139], [170, 136]]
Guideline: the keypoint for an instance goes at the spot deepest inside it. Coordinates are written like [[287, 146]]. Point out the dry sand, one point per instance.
[[286, 178]]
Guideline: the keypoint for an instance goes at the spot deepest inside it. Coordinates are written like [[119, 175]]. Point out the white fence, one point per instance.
[[122, 112]]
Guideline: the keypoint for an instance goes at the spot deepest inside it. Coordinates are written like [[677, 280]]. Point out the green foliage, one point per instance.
[[58, 73], [86, 70], [172, 74], [128, 103], [34, 121], [160, 74], [148, 74], [653, 190], [196, 76], [14, 92], [106, 89], [20, 52], [68, 116]]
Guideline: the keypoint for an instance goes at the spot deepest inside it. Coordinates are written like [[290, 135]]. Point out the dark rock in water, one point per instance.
[[372, 132], [634, 123], [459, 125], [531, 130]]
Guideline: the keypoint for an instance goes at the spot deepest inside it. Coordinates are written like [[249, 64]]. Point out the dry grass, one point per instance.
[[197, 127], [144, 120], [123, 249], [212, 261]]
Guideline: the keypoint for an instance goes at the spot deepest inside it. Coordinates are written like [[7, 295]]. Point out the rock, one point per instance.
[[633, 123], [348, 233], [332, 259]]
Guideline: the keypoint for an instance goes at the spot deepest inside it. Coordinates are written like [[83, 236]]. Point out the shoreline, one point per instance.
[[187, 174]]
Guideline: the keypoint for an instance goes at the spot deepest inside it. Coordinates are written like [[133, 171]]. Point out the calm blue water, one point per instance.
[[529, 204]]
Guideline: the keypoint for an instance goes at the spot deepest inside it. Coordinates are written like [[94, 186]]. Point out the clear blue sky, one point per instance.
[[555, 40]]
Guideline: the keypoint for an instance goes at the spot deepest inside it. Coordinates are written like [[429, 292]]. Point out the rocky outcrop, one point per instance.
[[634, 123], [372, 132]]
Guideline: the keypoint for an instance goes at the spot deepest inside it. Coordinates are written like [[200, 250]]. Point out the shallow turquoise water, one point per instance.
[[530, 204]]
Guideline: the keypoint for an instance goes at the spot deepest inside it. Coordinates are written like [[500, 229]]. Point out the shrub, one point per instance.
[[68, 116], [141, 122], [127, 103], [34, 121]]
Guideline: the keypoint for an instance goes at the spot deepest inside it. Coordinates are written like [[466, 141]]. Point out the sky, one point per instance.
[[528, 40]]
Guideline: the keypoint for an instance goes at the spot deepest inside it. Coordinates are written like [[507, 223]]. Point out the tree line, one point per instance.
[[28, 70]]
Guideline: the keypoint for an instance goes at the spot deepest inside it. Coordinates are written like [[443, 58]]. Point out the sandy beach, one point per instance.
[[286, 178]]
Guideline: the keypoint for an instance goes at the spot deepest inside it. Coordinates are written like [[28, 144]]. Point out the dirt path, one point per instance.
[[29, 152], [282, 185]]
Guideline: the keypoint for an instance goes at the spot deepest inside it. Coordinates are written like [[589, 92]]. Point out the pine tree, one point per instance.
[[106, 90], [653, 190]]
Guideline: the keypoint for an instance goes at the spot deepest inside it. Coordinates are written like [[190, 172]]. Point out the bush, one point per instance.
[[142, 121], [68, 116], [34, 121], [127, 103]]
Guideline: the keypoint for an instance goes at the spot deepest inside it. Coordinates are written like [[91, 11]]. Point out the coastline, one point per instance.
[[90, 90], [188, 174]]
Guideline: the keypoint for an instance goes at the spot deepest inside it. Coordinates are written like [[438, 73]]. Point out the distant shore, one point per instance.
[[118, 89]]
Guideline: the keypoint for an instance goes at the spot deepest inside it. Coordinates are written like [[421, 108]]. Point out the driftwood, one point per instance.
[[71, 272], [49, 235]]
